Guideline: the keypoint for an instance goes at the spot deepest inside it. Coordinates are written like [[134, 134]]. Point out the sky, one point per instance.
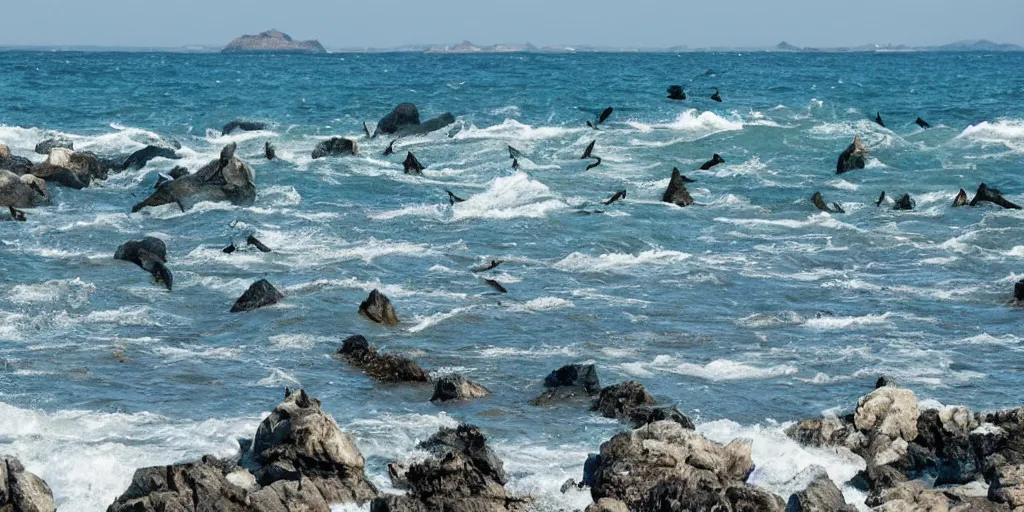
[[614, 23]]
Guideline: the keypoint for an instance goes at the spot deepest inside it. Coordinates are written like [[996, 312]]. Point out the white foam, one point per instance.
[[1008, 132], [422, 323], [718, 370], [509, 197], [74, 292], [278, 379], [541, 304], [616, 262]]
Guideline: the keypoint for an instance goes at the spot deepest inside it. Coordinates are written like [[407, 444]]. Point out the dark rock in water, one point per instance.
[[272, 41], [377, 308], [178, 172], [336, 146], [1018, 290], [260, 294], [462, 475], [922, 123], [717, 96], [819, 203], [245, 126], [985, 193], [646, 415], [622, 400], [430, 125], [607, 505], [618, 195], [884, 381], [24, 191], [715, 160], [17, 164], [298, 460], [676, 192], [960, 199], [357, 351], [250, 240], [878, 119], [881, 198], [821, 495], [411, 165], [904, 203], [944, 436], [854, 157], [569, 382], [452, 198], [498, 287], [675, 92], [140, 158], [690, 473], [150, 253], [269, 151], [390, 150], [457, 387], [44, 147], [21, 491], [229, 179], [514, 153], [71, 169], [405, 114]]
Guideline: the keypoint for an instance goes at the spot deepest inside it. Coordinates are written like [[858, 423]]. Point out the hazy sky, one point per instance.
[[385, 23]]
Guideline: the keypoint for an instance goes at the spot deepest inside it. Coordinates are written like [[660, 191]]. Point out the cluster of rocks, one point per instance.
[[228, 179], [934, 459]]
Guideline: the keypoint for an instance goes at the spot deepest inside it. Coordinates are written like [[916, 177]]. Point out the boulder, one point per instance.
[[140, 158], [568, 382], [887, 419], [960, 199], [245, 126], [854, 157], [457, 387], [226, 179], [377, 307], [904, 203], [1018, 290], [645, 415], [662, 464], [24, 191], [44, 147], [336, 146], [623, 401], [676, 192], [272, 41], [357, 351], [71, 169], [945, 434], [461, 475], [260, 294], [181, 487], [405, 114], [821, 495], [150, 254], [607, 505], [1008, 485], [21, 491], [16, 164]]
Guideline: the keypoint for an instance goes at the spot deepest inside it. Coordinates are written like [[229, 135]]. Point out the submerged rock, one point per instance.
[[960, 199], [44, 147], [245, 126], [21, 491], [140, 158], [150, 254], [335, 146], [462, 474], [227, 179], [819, 203], [377, 307], [676, 192], [457, 387], [854, 157], [272, 41], [568, 382], [904, 203], [404, 121], [260, 294], [357, 351]]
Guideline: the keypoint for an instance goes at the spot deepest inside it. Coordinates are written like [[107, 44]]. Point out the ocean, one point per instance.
[[748, 310]]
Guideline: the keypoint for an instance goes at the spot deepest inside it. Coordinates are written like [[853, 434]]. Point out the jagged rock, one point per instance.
[[644, 415], [378, 308], [180, 487], [854, 157], [821, 495], [909, 497], [676, 192], [885, 380], [569, 382], [461, 475], [15, 164], [662, 463], [140, 158], [890, 415], [25, 191], [272, 41], [44, 147], [357, 351], [622, 400], [945, 433], [607, 505], [335, 146], [71, 169], [226, 179], [1018, 291], [457, 387], [21, 491], [960, 199], [260, 294]]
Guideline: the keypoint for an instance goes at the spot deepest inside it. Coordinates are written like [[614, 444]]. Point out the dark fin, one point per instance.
[[390, 150], [685, 179], [493, 264], [496, 285], [922, 123], [17, 214], [819, 202], [880, 199], [514, 153], [412, 165], [605, 114], [287, 392], [716, 96], [366, 129], [229, 249], [676, 92], [268, 150], [589, 150], [618, 195], [837, 209], [515, 164], [595, 164], [257, 244], [591, 125], [878, 119], [452, 198], [162, 274], [961, 199]]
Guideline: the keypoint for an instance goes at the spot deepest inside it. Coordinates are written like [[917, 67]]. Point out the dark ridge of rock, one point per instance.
[[1018, 290], [21, 491], [356, 350], [336, 146], [377, 307], [245, 126], [991, 195], [260, 294], [412, 165], [44, 147], [226, 179], [462, 475], [622, 401], [140, 158], [676, 192], [960, 199], [404, 121], [854, 157], [456, 387], [646, 415], [272, 41]]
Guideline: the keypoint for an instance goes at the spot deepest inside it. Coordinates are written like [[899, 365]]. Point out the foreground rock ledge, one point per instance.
[[21, 491], [299, 460]]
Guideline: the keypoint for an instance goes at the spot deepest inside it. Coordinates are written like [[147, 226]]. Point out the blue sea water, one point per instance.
[[747, 310]]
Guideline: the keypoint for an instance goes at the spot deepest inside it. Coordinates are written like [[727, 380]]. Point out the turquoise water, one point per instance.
[[749, 309]]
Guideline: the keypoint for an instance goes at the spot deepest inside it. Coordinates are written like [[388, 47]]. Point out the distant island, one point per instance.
[[272, 41]]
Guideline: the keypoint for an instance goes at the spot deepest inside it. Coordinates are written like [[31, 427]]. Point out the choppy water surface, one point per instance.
[[748, 309]]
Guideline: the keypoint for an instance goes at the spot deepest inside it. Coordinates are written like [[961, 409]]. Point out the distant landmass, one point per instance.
[[272, 41]]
